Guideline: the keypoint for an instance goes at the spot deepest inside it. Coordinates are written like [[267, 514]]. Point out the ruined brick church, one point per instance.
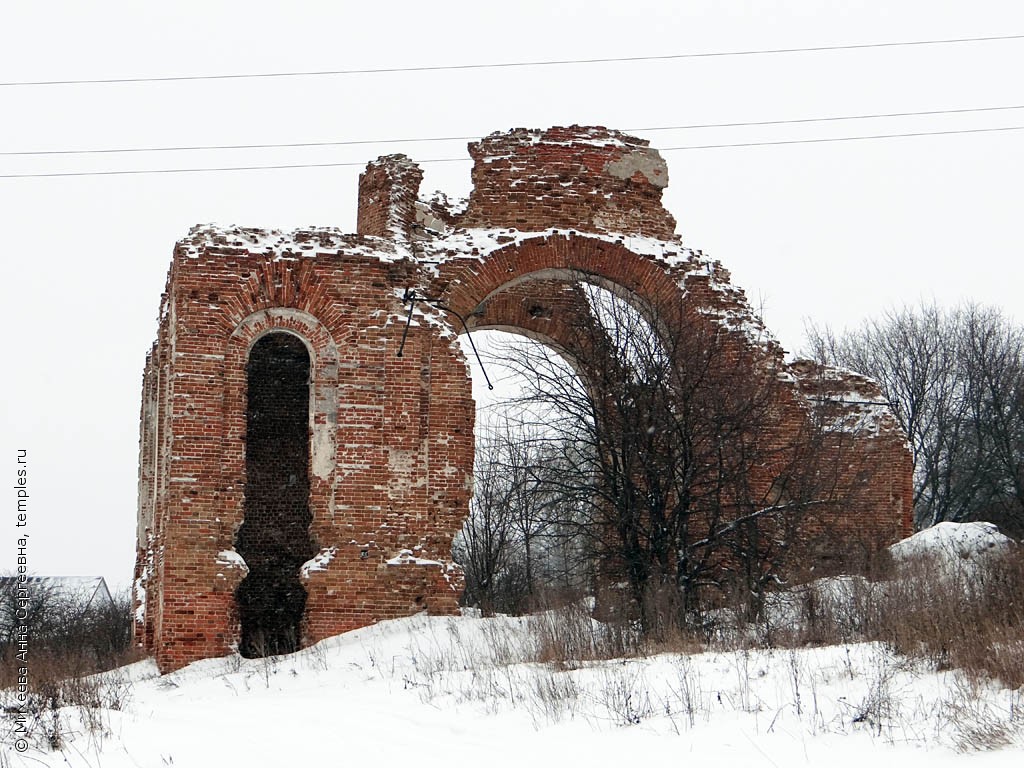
[[299, 477]]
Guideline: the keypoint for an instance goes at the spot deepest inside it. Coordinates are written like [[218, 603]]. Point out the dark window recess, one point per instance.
[[274, 537]]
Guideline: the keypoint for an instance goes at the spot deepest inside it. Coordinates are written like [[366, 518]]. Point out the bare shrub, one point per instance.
[[830, 611], [624, 695], [955, 614], [688, 693], [58, 706], [978, 725], [971, 618], [503, 647], [879, 710], [555, 694], [69, 644], [67, 638], [568, 636]]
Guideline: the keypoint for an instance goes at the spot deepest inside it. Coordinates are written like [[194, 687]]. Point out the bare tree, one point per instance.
[[84, 635], [515, 547], [992, 351], [37, 611], [672, 451], [486, 546], [955, 381]]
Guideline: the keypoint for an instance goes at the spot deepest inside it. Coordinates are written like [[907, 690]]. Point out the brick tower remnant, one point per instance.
[[299, 478]]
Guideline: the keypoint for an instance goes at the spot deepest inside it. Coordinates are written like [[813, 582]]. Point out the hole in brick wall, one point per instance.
[[274, 537]]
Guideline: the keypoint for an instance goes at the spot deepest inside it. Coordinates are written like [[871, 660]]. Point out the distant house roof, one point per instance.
[[82, 591]]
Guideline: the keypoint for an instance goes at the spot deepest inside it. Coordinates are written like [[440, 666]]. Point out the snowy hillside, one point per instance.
[[432, 691], [447, 691]]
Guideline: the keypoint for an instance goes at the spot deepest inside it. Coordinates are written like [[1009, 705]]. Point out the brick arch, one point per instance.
[[269, 286], [533, 289], [469, 284], [323, 352], [544, 310]]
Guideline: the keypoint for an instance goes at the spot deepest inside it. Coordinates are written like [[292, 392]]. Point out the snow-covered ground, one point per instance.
[[953, 543], [434, 691]]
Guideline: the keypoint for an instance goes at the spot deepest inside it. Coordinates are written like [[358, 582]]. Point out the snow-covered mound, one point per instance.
[[953, 543], [432, 691]]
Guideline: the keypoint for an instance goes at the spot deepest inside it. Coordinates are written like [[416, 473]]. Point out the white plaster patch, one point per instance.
[[323, 451], [646, 161]]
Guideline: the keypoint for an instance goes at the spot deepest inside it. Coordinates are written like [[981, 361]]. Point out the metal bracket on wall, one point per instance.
[[411, 298]]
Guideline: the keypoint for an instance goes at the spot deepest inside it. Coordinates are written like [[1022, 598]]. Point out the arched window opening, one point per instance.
[[274, 538]]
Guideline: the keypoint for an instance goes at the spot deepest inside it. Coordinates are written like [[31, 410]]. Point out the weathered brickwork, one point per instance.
[[355, 520], [570, 178]]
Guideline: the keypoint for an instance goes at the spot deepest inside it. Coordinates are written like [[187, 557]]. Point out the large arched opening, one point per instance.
[[663, 452], [559, 345]]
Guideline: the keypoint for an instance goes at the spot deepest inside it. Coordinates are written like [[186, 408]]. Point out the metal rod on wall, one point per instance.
[[411, 297]]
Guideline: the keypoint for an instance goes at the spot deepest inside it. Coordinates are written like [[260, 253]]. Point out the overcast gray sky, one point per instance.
[[832, 231]]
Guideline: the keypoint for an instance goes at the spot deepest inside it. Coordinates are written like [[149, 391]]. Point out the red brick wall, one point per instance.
[[391, 443], [391, 438], [588, 179], [388, 191]]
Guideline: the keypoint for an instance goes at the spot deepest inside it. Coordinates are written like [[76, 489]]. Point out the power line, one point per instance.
[[510, 64], [139, 171], [354, 142], [844, 138], [831, 118], [287, 145], [466, 159]]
